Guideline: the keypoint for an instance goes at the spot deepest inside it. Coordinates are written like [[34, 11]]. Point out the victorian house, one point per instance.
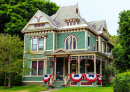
[[65, 47]]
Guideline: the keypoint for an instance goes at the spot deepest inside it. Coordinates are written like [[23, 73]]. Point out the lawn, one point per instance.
[[26, 88], [86, 89]]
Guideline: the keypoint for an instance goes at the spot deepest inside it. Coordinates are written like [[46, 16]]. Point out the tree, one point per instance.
[[11, 58], [14, 14], [124, 36]]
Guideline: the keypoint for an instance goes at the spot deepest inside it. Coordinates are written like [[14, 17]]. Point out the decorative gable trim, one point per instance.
[[60, 50], [37, 20]]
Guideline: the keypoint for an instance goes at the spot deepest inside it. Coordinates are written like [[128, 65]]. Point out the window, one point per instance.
[[40, 68], [97, 43], [34, 44], [104, 48], [34, 66], [38, 25], [88, 40], [67, 23], [37, 44], [37, 67], [74, 23], [71, 42], [71, 23]]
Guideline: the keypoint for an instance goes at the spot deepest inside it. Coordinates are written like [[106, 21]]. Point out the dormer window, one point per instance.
[[71, 22], [38, 25], [74, 23]]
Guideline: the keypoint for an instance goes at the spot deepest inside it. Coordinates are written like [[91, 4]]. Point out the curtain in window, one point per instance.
[[40, 68], [34, 66]]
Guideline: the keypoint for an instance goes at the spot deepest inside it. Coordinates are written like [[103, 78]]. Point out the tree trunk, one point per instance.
[[9, 81]]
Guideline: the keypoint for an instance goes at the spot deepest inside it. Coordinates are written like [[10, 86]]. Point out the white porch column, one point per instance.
[[78, 64], [94, 63]]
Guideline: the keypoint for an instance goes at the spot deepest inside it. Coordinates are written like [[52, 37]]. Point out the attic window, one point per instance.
[[38, 25], [71, 22], [76, 10]]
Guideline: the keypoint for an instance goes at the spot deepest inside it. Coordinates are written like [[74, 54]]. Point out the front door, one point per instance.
[[59, 69]]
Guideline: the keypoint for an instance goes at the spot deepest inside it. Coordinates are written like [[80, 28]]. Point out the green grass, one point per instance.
[[26, 88], [86, 89]]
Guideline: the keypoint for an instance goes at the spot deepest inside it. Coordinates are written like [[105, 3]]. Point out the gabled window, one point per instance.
[[37, 44], [71, 42], [39, 25]]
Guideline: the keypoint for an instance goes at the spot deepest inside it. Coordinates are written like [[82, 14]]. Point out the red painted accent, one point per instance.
[[73, 83], [86, 83], [76, 80], [70, 35], [39, 18], [36, 17], [90, 80]]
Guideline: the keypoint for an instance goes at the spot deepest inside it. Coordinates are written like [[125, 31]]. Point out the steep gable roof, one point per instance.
[[98, 25], [48, 18], [66, 12]]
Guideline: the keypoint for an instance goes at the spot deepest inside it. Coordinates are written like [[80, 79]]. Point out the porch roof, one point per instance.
[[66, 52]]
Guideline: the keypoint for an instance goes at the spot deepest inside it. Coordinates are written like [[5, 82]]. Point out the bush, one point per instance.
[[122, 82]]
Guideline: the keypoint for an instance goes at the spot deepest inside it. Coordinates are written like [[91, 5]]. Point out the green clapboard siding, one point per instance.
[[27, 42], [49, 41], [28, 66], [80, 36], [33, 78], [48, 68], [92, 42], [101, 44]]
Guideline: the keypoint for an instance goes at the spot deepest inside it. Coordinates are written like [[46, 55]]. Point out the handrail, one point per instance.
[[52, 79], [66, 79]]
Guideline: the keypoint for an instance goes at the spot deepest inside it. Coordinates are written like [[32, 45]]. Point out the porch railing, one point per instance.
[[52, 79], [66, 80]]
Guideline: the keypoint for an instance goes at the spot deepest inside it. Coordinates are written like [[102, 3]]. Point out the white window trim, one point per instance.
[[69, 42], [37, 68], [44, 44]]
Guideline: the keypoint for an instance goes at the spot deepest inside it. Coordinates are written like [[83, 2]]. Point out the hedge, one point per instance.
[[122, 82]]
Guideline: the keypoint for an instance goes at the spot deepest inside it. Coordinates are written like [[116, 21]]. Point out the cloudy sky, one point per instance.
[[94, 10]]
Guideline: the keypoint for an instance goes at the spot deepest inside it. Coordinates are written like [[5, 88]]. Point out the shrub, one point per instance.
[[122, 82]]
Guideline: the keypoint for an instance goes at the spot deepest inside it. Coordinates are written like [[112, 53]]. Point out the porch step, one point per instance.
[[58, 84]]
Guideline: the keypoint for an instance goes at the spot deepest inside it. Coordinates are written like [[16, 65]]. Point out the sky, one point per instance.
[[94, 10]]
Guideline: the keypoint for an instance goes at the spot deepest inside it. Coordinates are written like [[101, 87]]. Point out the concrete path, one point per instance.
[[49, 90]]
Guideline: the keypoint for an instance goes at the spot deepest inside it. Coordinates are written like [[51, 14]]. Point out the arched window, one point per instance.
[[71, 42]]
